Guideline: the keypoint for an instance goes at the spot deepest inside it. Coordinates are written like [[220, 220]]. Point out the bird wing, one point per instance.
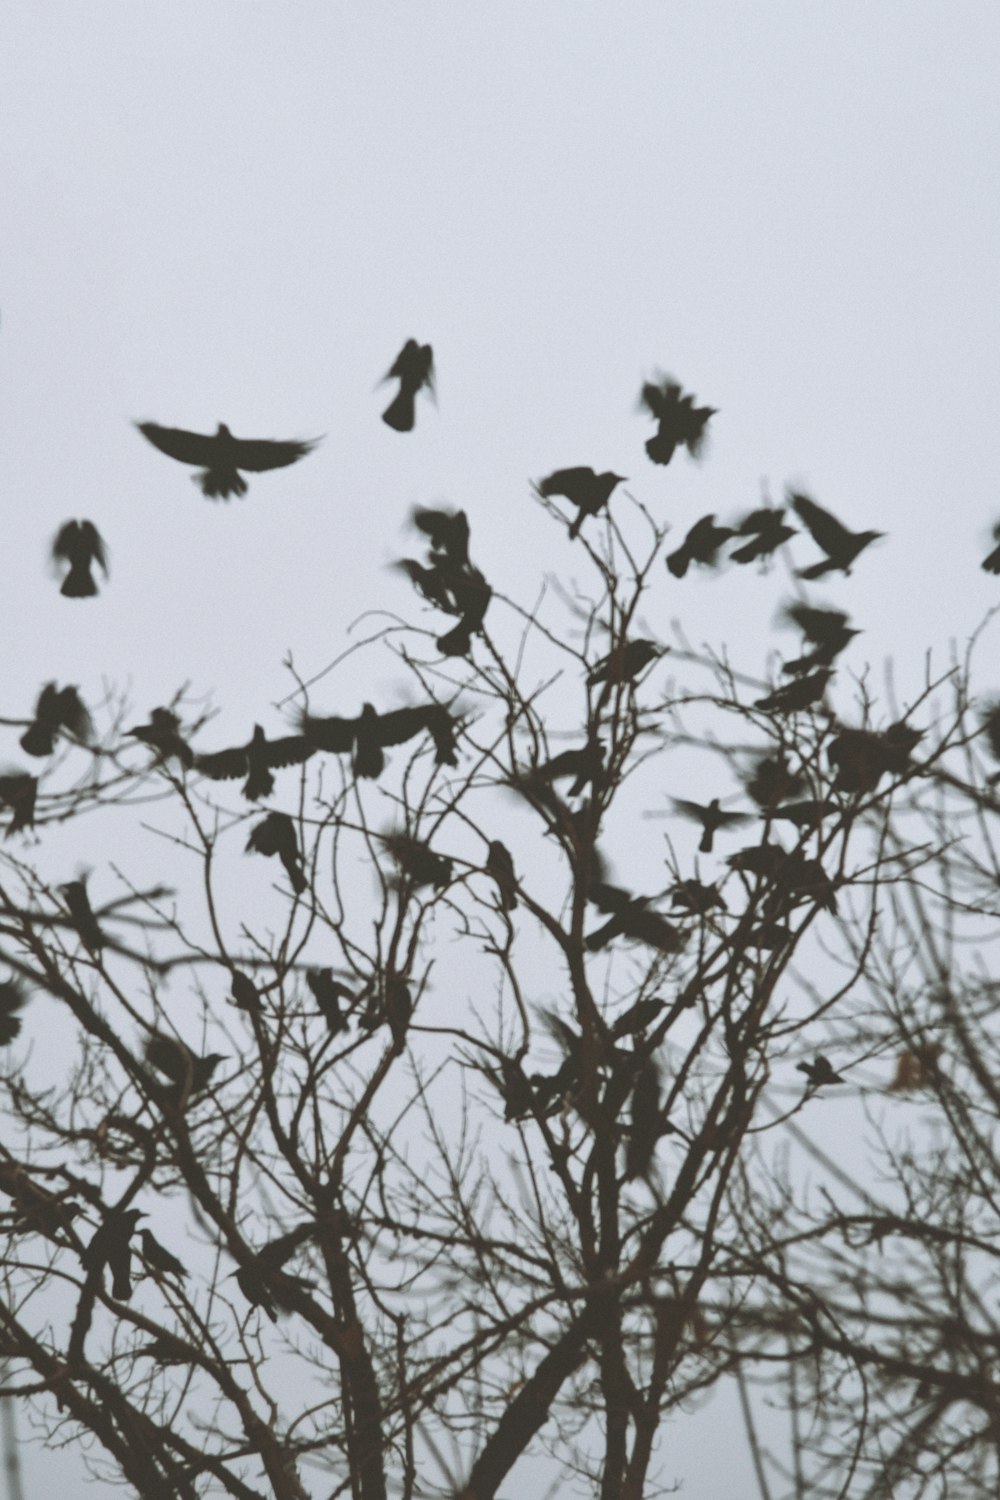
[[333, 734], [825, 530], [257, 454], [187, 447], [609, 899], [689, 809], [290, 750], [66, 543], [402, 724], [73, 713], [223, 765], [95, 544]]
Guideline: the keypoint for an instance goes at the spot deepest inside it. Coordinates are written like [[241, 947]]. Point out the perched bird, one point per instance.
[[917, 1067], [679, 422], [398, 1006], [701, 545], [12, 999], [588, 491], [768, 935], [826, 630], [448, 533], [765, 860], [56, 710], [695, 898], [796, 696], [163, 734], [417, 863], [81, 916], [840, 545], [807, 814], [638, 1016], [245, 993], [36, 1210], [368, 734], [794, 877], [19, 792], [328, 993], [472, 595], [861, 757], [711, 817], [255, 761], [158, 1258], [276, 834], [991, 563], [771, 780], [430, 582], [819, 1072], [767, 530], [263, 1280], [79, 544], [645, 1122], [221, 456], [413, 368], [189, 1074], [500, 864], [515, 1089], [625, 662], [629, 917], [111, 1247], [166, 1350], [585, 765]]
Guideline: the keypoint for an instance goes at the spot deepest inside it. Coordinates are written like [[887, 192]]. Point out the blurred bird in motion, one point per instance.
[[679, 422], [625, 662], [221, 456], [819, 1072], [709, 815], [767, 530], [255, 760], [701, 545], [582, 487], [365, 736], [79, 545], [163, 734], [13, 998], [57, 709], [629, 917], [826, 630], [413, 368], [188, 1073], [796, 696], [81, 915], [19, 792], [991, 563], [831, 536], [417, 864], [276, 835]]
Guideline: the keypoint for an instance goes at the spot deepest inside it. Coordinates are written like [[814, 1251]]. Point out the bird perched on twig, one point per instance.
[[831, 536], [328, 993], [696, 898], [701, 545], [263, 1280], [111, 1247], [625, 662], [19, 792], [500, 864], [585, 765], [255, 760], [861, 757], [819, 1072], [582, 487], [826, 630], [81, 915], [646, 1125], [245, 993], [417, 864], [158, 1258], [12, 999], [767, 530], [221, 456], [276, 834], [57, 709], [163, 734], [679, 422], [770, 781], [796, 696], [189, 1074], [79, 544], [413, 367], [370, 732], [710, 816]]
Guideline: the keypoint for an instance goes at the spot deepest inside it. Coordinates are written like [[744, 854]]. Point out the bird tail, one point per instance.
[[79, 582], [400, 414], [294, 872], [661, 448], [456, 642], [369, 761], [219, 484], [816, 571], [259, 783], [37, 740], [677, 562]]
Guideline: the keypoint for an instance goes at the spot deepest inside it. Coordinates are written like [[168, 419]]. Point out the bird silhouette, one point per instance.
[[417, 864], [679, 422], [796, 696], [413, 368], [56, 710], [255, 760], [989, 720], [12, 999], [163, 734], [263, 1279], [806, 814], [625, 662], [188, 1073], [81, 915], [328, 993], [861, 757], [275, 834], [701, 545], [221, 456], [19, 792], [36, 1210], [696, 898], [770, 780], [831, 536], [645, 1122], [448, 533], [710, 816], [629, 917], [588, 491], [365, 736], [111, 1247], [826, 630], [500, 864], [819, 1072], [79, 544], [991, 563], [158, 1258], [585, 765], [767, 530], [245, 993]]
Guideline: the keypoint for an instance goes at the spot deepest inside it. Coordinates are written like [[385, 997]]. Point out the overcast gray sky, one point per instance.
[[239, 211]]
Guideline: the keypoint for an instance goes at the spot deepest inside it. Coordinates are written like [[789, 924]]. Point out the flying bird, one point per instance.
[[276, 834], [679, 422], [413, 368], [221, 456], [629, 917], [819, 1072], [448, 533], [832, 537], [57, 709], [255, 760], [582, 487], [585, 765], [12, 999], [264, 1281], [367, 735], [163, 734], [826, 630], [771, 780], [767, 530], [710, 816], [701, 545], [79, 545]]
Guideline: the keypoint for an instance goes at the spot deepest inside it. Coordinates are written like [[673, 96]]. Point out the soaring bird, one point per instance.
[[710, 816], [12, 999], [701, 545], [413, 368], [276, 834], [840, 545], [111, 1247], [221, 456], [19, 791], [767, 530], [255, 760], [79, 544], [826, 630], [582, 487], [163, 734], [57, 709], [500, 864], [625, 662], [679, 422], [81, 915], [367, 735]]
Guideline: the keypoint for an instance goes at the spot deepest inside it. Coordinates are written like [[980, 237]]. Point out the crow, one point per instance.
[[158, 1258], [57, 709], [328, 993], [861, 757], [82, 918], [263, 1281], [19, 791], [826, 630], [163, 734], [585, 765], [12, 999], [448, 532], [990, 722], [255, 760], [417, 862], [245, 993], [695, 898], [588, 491], [679, 422], [638, 1016], [701, 545], [796, 696], [500, 864], [711, 817], [771, 780], [221, 456], [79, 544], [189, 1074], [806, 814], [472, 595], [366, 736], [430, 582], [110, 1246], [517, 1093], [768, 530], [413, 368], [36, 1210], [645, 1126], [276, 834], [819, 1072], [991, 563], [625, 662], [840, 545], [629, 917]]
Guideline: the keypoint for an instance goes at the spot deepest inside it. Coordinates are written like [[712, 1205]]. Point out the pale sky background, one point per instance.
[[239, 211]]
